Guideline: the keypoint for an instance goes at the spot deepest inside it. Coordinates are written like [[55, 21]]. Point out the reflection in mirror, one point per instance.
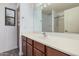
[[60, 17], [59, 23]]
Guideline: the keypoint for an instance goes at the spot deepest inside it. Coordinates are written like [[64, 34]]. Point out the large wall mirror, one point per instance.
[[60, 17]]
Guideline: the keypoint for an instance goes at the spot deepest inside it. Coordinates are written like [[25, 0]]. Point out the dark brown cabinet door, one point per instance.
[[39, 46], [24, 47], [38, 53], [54, 52], [29, 50], [24, 51], [29, 41]]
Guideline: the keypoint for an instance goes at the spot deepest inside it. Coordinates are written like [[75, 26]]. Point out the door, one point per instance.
[[71, 17], [29, 50], [24, 48]]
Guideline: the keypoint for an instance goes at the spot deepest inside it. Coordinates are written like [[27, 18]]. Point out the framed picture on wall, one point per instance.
[[9, 17]]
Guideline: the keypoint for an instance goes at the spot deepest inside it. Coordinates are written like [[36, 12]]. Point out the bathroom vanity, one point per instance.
[[31, 47], [62, 32], [54, 44]]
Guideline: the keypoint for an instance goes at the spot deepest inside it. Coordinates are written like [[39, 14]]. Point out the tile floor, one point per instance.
[[13, 52]]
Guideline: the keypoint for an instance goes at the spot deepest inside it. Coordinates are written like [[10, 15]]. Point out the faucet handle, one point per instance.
[[44, 34]]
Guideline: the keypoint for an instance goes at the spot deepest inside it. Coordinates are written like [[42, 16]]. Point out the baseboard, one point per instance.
[[20, 54], [5, 50], [11, 50]]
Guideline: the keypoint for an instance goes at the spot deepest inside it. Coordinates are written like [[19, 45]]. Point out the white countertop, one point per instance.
[[65, 42]]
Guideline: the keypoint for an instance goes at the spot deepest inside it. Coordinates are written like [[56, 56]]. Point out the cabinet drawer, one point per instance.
[[23, 38], [39, 46], [54, 52], [24, 43], [38, 53], [29, 41]]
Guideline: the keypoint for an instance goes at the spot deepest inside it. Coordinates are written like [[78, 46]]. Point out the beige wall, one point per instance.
[[71, 19]]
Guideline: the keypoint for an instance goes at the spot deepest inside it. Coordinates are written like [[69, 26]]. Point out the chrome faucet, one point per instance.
[[44, 34]]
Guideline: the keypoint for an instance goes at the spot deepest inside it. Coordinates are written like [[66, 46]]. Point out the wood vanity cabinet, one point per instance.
[[24, 45], [39, 46], [54, 52], [34, 48], [38, 52], [29, 50], [30, 41], [39, 49], [24, 49]]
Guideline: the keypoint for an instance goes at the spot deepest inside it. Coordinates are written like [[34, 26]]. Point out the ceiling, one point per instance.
[[59, 7]]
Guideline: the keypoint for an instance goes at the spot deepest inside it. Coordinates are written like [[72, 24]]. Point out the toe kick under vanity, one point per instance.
[[35, 44]]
